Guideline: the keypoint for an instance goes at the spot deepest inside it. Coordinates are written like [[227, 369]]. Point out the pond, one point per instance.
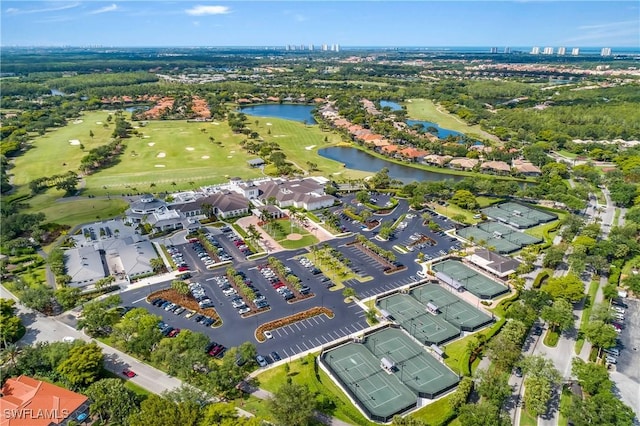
[[393, 105], [136, 108], [301, 113], [442, 133], [353, 158]]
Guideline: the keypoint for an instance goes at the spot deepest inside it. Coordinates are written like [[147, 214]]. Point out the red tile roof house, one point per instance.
[[29, 402], [390, 149], [413, 154], [498, 167], [369, 138]]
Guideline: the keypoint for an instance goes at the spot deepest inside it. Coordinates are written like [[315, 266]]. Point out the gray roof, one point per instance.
[[136, 257], [496, 261], [84, 265]]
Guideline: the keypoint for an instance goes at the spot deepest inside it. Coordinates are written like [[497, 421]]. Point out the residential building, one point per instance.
[[463, 163], [40, 403], [437, 160], [498, 167], [526, 168], [413, 154]]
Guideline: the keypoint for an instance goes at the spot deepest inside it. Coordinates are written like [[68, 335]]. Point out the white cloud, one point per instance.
[[201, 10], [622, 32], [111, 8], [16, 11]]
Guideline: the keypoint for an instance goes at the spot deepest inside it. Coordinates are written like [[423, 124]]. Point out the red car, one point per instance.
[[183, 268], [278, 285], [174, 332], [128, 373]]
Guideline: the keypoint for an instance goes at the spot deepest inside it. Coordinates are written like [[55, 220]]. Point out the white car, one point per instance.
[[268, 334]]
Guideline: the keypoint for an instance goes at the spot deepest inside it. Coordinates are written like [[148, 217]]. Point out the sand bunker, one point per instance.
[[74, 141], [189, 148], [215, 123], [77, 121], [159, 165], [269, 124], [161, 155], [232, 152], [310, 147], [98, 122], [146, 137], [229, 156], [151, 143], [205, 157]]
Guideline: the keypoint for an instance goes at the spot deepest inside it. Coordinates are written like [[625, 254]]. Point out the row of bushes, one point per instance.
[[541, 278]]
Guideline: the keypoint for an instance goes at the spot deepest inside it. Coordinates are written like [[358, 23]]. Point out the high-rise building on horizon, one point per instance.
[[606, 51], [535, 50], [562, 50], [494, 50], [507, 50], [575, 51], [548, 51]]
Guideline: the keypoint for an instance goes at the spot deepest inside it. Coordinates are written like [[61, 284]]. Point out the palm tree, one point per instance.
[[157, 264], [11, 351]]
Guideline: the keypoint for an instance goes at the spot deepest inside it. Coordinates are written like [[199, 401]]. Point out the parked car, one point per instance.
[[128, 373], [244, 310], [262, 362], [275, 356], [268, 334]]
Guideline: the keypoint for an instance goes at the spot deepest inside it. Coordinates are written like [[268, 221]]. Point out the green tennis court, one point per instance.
[[384, 393], [509, 234], [474, 233], [421, 324], [380, 394], [518, 215], [456, 274], [455, 310]]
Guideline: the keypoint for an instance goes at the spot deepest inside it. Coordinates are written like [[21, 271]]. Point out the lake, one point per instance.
[[353, 158], [393, 105], [301, 113], [442, 133]]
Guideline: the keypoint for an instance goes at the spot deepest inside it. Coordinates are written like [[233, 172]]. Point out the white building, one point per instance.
[[575, 51], [562, 51]]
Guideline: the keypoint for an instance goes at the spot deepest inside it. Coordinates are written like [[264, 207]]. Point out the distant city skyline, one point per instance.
[[498, 24]]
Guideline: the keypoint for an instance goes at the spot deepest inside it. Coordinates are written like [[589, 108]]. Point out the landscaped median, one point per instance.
[[282, 322], [187, 302]]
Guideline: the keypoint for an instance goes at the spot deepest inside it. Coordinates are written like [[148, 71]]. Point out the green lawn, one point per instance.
[[172, 155], [565, 401], [544, 231], [488, 201], [551, 338], [567, 154], [527, 419], [437, 413], [586, 313], [456, 352], [74, 211], [305, 241], [425, 109], [286, 227], [301, 373], [452, 210]]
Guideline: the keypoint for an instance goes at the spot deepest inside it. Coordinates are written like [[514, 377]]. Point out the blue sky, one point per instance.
[[350, 23]]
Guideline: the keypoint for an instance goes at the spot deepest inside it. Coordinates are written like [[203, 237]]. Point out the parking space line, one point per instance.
[[299, 348], [305, 346], [304, 324], [315, 320], [325, 339], [297, 326], [319, 342]]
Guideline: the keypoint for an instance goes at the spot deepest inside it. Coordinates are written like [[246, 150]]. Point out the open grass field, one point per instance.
[[437, 413], [302, 371], [452, 210], [545, 231], [425, 109], [488, 201], [74, 211], [286, 227], [171, 155]]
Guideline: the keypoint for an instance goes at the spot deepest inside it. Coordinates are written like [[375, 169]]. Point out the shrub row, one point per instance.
[[541, 278], [282, 322]]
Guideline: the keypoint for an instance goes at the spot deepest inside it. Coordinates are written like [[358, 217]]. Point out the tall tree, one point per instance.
[[559, 315], [292, 405], [593, 378], [137, 332], [483, 413], [570, 287], [600, 334], [111, 401], [83, 365], [98, 317]]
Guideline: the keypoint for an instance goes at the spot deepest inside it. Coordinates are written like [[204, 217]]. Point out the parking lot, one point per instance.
[[310, 333], [627, 369]]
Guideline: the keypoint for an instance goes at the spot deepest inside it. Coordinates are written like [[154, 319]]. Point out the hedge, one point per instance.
[[541, 278]]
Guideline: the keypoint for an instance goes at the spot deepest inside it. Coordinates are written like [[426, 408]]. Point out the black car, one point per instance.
[[198, 318], [275, 356]]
